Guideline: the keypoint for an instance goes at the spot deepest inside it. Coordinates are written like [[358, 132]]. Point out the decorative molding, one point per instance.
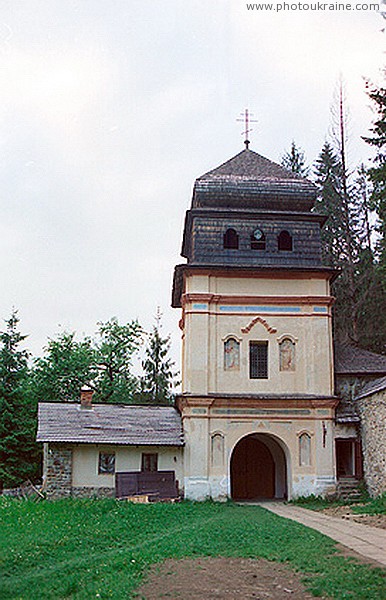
[[244, 299], [189, 400], [217, 432], [260, 309], [287, 336], [256, 320], [231, 335], [274, 300], [271, 272]]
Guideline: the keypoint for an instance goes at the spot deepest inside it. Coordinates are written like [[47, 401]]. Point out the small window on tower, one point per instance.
[[231, 239], [258, 240], [258, 360], [284, 241]]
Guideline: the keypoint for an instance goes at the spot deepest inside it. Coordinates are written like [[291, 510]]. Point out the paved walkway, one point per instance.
[[368, 541]]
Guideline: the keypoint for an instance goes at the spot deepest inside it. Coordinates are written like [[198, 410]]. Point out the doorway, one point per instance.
[[348, 458], [258, 469]]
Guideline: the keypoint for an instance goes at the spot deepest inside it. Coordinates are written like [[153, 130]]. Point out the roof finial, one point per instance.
[[246, 119]]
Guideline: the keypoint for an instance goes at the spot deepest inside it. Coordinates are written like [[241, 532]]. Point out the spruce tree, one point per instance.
[[158, 381], [329, 203], [340, 241], [19, 453], [377, 173], [347, 245], [294, 160]]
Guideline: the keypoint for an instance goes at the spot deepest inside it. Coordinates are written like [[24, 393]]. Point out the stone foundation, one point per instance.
[[93, 492], [373, 429]]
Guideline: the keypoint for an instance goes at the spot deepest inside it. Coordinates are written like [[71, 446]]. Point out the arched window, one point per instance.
[[284, 241], [304, 450], [258, 240], [231, 239]]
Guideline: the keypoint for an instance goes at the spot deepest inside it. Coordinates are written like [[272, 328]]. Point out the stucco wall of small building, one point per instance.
[[372, 411], [72, 469]]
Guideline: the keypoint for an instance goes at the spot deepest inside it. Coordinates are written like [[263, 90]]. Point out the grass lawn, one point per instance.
[[102, 548], [376, 506], [367, 506]]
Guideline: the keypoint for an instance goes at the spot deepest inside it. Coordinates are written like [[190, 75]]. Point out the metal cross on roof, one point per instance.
[[246, 119]]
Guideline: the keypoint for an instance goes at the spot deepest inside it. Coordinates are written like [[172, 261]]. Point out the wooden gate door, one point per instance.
[[252, 470]]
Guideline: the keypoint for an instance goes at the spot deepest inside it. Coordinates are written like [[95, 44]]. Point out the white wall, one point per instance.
[[127, 458]]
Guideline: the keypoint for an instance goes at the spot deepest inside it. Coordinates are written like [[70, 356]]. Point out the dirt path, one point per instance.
[[222, 578], [345, 512]]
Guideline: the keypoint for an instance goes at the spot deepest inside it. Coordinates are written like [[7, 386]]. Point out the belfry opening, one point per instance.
[[258, 469]]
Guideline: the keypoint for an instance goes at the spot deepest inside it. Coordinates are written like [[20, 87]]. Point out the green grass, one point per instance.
[[376, 506], [316, 502], [367, 505], [102, 548]]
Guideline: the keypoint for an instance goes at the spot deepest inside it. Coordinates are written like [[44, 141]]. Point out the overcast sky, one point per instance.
[[110, 109]]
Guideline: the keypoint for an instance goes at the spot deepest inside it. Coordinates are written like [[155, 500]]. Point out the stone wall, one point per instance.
[[58, 472], [93, 492], [372, 410]]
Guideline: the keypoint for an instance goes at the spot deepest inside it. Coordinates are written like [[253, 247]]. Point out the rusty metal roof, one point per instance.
[[109, 424]]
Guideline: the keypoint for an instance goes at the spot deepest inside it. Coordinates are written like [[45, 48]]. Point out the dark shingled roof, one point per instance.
[[350, 360], [110, 424], [346, 412], [248, 180], [377, 385]]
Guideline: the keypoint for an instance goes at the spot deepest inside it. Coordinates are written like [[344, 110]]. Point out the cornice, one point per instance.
[[248, 401], [245, 300]]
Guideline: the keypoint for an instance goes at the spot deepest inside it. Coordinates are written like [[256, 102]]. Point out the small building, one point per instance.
[[87, 446], [263, 412]]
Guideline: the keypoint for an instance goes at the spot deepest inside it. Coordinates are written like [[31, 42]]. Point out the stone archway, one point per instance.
[[258, 468]]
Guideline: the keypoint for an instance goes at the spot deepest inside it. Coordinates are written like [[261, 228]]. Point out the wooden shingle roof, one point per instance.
[[109, 424], [350, 360], [372, 387], [249, 180]]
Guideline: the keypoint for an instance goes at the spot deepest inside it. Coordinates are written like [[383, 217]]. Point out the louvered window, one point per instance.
[[284, 241], [231, 239], [258, 360]]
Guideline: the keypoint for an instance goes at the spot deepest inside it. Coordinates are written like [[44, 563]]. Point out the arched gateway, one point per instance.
[[258, 468]]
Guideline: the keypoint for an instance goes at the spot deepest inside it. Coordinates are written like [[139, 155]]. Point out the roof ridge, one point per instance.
[[256, 157]]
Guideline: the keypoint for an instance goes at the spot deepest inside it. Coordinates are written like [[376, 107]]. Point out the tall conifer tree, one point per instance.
[[159, 377], [294, 160], [18, 451], [377, 173]]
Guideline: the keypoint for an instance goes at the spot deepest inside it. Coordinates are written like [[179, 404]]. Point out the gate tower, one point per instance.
[[257, 363]]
